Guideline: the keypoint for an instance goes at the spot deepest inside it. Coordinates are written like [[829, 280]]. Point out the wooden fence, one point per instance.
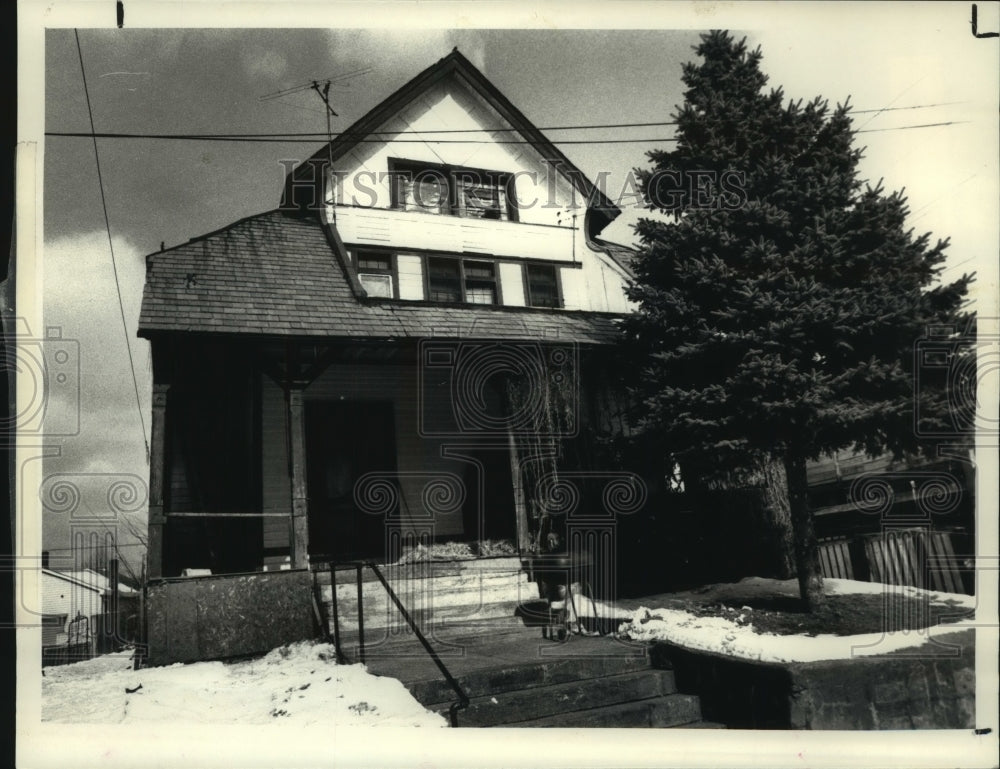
[[916, 557]]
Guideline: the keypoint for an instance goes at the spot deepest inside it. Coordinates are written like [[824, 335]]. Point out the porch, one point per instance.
[[271, 455]]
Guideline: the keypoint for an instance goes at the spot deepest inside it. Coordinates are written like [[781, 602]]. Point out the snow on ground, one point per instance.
[[726, 636], [300, 684]]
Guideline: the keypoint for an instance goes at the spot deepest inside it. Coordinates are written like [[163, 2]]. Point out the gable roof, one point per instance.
[[276, 275], [599, 205]]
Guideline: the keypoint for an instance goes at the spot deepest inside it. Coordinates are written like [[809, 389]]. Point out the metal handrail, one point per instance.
[[341, 657], [463, 699]]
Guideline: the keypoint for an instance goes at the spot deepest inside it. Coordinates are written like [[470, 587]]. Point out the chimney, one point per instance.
[[45, 559]]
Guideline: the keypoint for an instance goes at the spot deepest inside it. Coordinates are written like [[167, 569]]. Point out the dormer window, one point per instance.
[[375, 273], [542, 285], [440, 189], [471, 281]]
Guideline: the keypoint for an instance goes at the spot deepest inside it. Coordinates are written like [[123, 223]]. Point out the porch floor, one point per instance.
[[493, 644]]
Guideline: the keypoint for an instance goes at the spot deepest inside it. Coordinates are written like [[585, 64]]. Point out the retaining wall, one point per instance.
[[902, 690]]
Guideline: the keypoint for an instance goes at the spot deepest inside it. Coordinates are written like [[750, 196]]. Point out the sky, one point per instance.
[[903, 65]]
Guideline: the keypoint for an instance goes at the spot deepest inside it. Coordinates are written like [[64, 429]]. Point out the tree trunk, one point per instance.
[[775, 516], [806, 546]]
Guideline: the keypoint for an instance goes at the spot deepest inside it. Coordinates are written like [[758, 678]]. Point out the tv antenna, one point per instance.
[[334, 80], [323, 91]]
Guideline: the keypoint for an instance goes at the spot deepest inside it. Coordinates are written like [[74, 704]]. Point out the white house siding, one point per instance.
[[453, 234], [411, 276], [62, 596], [605, 286], [574, 288], [546, 227], [512, 283]]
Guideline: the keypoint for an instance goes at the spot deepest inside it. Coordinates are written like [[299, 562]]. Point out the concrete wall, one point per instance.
[[895, 691], [202, 618]]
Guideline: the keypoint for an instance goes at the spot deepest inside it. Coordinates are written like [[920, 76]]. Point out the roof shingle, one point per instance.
[[275, 274]]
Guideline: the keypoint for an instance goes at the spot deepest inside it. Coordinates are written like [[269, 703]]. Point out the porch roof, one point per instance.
[[275, 274]]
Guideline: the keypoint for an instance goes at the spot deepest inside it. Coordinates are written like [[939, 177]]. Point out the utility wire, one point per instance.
[[380, 135], [292, 138], [107, 226]]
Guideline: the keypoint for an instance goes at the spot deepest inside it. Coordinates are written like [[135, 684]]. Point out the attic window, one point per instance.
[[543, 285], [471, 281], [375, 273], [439, 189]]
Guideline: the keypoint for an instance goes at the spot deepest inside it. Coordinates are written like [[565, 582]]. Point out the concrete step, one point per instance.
[[671, 710], [439, 587], [385, 616], [525, 676], [530, 704], [423, 569]]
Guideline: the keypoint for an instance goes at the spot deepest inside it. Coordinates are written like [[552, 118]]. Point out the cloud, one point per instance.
[[260, 62], [401, 51], [80, 297], [471, 44]]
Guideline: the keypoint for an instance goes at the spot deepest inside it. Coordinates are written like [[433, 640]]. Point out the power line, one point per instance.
[[905, 127], [107, 226], [294, 138], [381, 135]]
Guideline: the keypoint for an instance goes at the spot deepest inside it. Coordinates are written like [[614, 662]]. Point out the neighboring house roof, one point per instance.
[[73, 578], [89, 579], [276, 274], [455, 63]]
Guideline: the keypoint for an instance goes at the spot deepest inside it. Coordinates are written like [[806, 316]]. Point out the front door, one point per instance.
[[344, 441]]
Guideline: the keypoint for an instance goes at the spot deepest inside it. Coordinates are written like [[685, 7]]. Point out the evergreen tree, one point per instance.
[[778, 309]]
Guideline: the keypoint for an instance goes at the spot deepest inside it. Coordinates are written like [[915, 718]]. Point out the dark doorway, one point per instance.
[[488, 512], [344, 441]]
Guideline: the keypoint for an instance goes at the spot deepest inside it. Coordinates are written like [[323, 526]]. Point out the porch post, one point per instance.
[[157, 470], [520, 505], [299, 530]]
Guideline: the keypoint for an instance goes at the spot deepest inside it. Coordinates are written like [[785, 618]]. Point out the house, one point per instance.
[[66, 596], [415, 346], [77, 607], [404, 351]]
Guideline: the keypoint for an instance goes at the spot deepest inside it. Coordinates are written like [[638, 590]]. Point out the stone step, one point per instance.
[[671, 710], [490, 682], [530, 704]]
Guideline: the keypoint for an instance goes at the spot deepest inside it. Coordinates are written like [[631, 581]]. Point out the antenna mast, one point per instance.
[[325, 96]]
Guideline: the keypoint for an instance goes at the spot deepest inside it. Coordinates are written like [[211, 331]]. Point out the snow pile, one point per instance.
[[300, 684], [735, 637]]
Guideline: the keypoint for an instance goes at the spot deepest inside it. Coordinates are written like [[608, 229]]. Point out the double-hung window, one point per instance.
[[542, 285], [375, 273], [471, 281], [449, 190]]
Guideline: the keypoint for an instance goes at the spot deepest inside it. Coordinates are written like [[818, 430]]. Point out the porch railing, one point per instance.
[[462, 699]]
